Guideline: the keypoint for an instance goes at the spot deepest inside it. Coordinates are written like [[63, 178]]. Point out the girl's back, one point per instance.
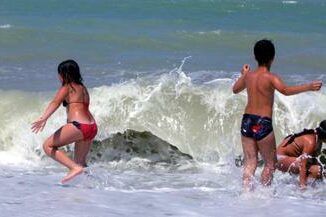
[[78, 103]]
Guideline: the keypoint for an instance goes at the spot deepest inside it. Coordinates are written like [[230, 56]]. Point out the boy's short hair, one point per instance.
[[264, 51]]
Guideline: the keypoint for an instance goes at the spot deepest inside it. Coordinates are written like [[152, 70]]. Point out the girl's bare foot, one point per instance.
[[72, 173]]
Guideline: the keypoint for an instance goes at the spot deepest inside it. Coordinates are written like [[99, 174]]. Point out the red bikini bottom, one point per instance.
[[89, 131]]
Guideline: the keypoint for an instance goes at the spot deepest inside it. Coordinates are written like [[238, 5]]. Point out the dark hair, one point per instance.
[[69, 71], [264, 51], [321, 130]]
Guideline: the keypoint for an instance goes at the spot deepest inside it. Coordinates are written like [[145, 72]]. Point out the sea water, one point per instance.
[[161, 66]]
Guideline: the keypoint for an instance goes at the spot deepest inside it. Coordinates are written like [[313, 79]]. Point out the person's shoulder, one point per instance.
[[309, 139], [63, 91], [64, 87], [75, 87], [273, 76]]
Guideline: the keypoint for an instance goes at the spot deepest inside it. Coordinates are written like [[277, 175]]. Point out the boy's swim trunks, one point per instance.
[[255, 126]]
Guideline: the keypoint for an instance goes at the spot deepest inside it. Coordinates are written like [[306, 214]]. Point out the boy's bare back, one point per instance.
[[260, 91], [261, 85]]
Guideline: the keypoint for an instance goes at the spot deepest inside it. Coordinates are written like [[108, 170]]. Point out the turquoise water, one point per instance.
[[119, 40]]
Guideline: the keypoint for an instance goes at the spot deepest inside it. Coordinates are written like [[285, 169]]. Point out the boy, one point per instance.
[[256, 128]]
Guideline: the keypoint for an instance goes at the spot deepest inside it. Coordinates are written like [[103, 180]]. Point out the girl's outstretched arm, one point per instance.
[[39, 125]]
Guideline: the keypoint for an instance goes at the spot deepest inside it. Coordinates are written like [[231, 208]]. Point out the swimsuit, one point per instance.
[[256, 127], [65, 103], [280, 157], [89, 131]]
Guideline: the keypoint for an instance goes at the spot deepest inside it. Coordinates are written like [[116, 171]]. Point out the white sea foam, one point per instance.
[[5, 26], [199, 119], [217, 32], [202, 120], [289, 2]]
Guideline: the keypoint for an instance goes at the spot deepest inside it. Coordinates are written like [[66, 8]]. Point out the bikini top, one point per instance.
[[65, 103], [295, 135]]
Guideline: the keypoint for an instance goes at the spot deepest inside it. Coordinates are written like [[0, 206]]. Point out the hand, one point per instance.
[[315, 85], [38, 125], [245, 69]]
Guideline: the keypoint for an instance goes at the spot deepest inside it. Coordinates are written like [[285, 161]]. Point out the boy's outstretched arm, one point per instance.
[[240, 84], [295, 89]]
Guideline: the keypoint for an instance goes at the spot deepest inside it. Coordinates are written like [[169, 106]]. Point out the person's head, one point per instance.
[[69, 72], [321, 131], [264, 51]]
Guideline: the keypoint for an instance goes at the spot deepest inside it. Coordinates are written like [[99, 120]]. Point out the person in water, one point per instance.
[[81, 127], [299, 154], [256, 127]]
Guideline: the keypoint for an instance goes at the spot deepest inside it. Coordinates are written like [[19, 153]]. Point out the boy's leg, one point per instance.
[[267, 149], [250, 152]]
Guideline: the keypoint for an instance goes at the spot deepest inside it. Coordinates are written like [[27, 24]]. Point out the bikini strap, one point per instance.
[[295, 135], [65, 102]]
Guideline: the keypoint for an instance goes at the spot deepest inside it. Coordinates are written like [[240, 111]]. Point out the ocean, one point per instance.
[[164, 66]]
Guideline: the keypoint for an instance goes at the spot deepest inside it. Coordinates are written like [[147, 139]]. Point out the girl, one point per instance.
[[298, 154], [80, 128]]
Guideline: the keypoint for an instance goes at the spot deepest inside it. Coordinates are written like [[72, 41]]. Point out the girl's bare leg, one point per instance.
[[64, 136], [81, 150], [288, 164]]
